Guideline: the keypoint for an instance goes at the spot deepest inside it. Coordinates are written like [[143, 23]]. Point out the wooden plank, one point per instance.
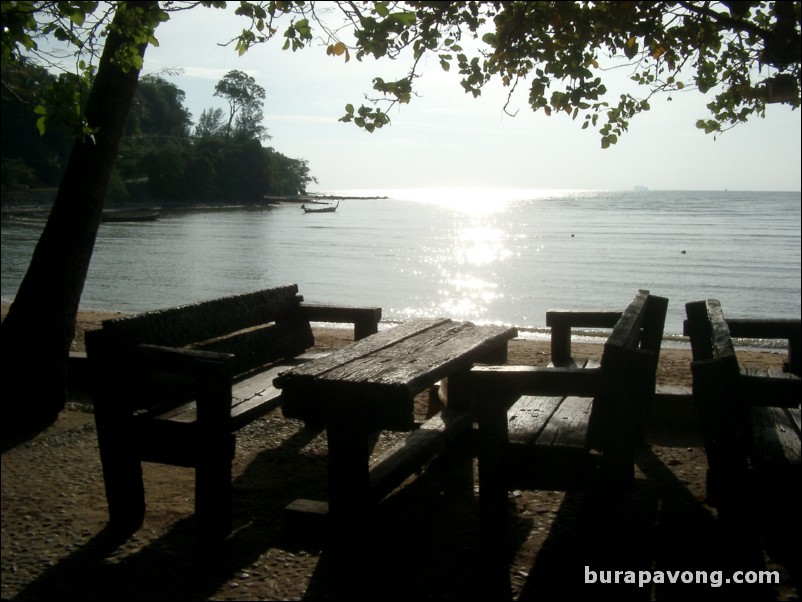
[[788, 329], [262, 345], [697, 327], [417, 362], [568, 426], [775, 435], [575, 364], [390, 469], [556, 318], [528, 416], [749, 328], [504, 381], [306, 394], [626, 332], [720, 332], [362, 348], [561, 322], [784, 390], [391, 369], [794, 415], [184, 324], [365, 319], [251, 398], [654, 324]]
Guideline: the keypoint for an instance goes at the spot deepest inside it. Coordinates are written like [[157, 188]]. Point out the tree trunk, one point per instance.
[[40, 326]]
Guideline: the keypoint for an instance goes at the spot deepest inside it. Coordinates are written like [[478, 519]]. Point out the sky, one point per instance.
[[446, 138]]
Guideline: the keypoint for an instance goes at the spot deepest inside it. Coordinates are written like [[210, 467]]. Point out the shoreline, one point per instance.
[[537, 334], [673, 367]]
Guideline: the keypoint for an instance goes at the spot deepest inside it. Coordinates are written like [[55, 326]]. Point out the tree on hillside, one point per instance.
[[245, 100], [210, 123], [743, 54], [158, 110], [157, 123]]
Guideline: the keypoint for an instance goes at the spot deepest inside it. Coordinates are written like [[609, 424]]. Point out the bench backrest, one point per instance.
[[634, 344], [641, 324], [256, 327], [629, 368], [711, 335]]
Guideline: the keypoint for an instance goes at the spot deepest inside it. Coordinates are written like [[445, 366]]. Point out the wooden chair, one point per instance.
[[566, 426], [750, 420]]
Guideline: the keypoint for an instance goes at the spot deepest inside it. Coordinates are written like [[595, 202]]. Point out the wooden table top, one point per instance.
[[383, 372]]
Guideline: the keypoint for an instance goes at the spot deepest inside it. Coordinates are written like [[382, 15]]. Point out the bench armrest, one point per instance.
[[561, 321], [174, 359], [365, 319], [749, 328], [789, 330], [770, 391], [536, 380], [211, 374]]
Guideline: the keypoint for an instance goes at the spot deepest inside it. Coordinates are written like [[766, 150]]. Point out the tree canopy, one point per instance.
[[558, 55], [742, 54]]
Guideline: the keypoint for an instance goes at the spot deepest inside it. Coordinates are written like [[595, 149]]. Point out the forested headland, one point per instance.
[[165, 157]]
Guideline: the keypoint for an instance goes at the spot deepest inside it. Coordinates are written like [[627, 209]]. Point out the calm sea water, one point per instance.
[[501, 256]]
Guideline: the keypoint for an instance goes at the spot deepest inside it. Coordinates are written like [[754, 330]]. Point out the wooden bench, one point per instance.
[[173, 386], [567, 425], [750, 418]]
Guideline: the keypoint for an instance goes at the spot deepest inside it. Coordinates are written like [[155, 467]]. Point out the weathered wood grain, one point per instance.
[[776, 435], [388, 369]]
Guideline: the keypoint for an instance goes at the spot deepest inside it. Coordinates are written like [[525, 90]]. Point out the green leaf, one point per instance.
[[631, 47], [405, 19], [78, 17]]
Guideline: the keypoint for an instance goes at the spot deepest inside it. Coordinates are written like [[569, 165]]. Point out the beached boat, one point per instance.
[[326, 209], [130, 215]]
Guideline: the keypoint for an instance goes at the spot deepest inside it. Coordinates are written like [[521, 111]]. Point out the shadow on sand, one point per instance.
[[421, 542]]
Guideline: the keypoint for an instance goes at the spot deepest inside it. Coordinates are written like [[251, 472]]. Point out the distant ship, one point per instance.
[[640, 188]]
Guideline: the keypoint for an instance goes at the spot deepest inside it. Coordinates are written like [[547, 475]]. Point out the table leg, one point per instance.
[[491, 416], [349, 455]]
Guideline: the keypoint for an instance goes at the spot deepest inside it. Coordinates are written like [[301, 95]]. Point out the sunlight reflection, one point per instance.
[[480, 246], [478, 201], [467, 296]]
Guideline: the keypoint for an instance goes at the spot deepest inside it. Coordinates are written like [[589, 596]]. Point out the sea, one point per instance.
[[489, 255]]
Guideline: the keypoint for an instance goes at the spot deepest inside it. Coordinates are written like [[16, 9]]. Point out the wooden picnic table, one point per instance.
[[370, 386]]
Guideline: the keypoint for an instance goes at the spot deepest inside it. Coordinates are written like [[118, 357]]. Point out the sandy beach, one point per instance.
[[423, 542]]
